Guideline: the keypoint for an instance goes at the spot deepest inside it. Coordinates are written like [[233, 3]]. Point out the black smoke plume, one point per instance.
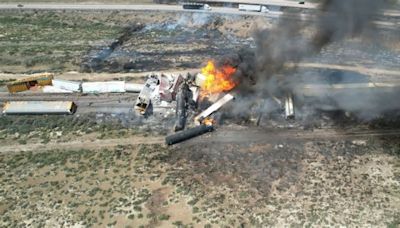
[[264, 71], [288, 41]]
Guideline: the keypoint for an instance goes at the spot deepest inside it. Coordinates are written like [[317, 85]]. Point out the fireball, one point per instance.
[[217, 80]]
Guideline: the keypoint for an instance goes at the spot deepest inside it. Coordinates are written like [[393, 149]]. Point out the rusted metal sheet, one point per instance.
[[15, 88], [42, 79]]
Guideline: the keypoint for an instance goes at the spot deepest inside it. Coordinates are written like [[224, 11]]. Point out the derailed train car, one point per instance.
[[29, 82], [39, 108]]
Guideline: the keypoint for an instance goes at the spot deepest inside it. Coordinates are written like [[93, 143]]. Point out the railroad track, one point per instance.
[[87, 103], [223, 135], [256, 135], [66, 97]]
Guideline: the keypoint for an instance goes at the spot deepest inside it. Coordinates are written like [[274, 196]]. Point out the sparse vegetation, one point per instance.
[[48, 41], [48, 128], [153, 181]]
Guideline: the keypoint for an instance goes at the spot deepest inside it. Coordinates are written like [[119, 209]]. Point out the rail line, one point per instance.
[[256, 135], [87, 103], [66, 97], [224, 135]]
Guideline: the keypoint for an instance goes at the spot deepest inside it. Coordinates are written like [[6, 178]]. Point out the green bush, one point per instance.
[[164, 217]]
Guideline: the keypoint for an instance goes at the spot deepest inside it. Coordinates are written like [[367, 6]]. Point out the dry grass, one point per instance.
[[305, 184]]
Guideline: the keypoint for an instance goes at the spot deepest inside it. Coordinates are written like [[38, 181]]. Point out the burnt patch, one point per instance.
[[260, 165], [162, 46]]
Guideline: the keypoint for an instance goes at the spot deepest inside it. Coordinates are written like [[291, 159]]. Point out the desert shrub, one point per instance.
[[164, 217]]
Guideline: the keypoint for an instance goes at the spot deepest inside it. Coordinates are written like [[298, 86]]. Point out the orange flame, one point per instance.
[[208, 121], [217, 80]]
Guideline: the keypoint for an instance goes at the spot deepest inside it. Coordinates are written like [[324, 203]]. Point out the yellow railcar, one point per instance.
[[28, 82]]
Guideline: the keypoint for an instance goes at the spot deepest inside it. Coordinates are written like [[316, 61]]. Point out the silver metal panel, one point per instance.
[[53, 89], [37, 107], [133, 87], [104, 87], [67, 85], [145, 96], [214, 107], [289, 107]]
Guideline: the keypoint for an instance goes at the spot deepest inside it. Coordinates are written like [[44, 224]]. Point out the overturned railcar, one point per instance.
[[39, 107], [188, 134], [29, 82]]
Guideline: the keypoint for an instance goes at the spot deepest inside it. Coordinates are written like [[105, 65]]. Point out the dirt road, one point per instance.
[[225, 135], [178, 8], [78, 144], [259, 135]]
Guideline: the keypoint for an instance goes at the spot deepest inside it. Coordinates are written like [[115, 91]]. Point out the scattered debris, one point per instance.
[[289, 107], [182, 100], [144, 99], [213, 108], [168, 87], [195, 94]]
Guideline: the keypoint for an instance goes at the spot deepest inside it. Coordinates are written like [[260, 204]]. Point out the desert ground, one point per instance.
[[105, 166]]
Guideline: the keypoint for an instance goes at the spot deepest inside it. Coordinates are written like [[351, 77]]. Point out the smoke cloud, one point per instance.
[[288, 41], [265, 70], [339, 19]]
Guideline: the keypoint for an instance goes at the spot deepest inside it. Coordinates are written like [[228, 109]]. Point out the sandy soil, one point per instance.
[[315, 181]]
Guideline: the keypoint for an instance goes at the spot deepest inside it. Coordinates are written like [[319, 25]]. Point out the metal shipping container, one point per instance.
[[15, 88], [104, 87], [39, 107], [28, 82], [53, 89], [133, 87], [67, 85], [248, 7], [193, 5]]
